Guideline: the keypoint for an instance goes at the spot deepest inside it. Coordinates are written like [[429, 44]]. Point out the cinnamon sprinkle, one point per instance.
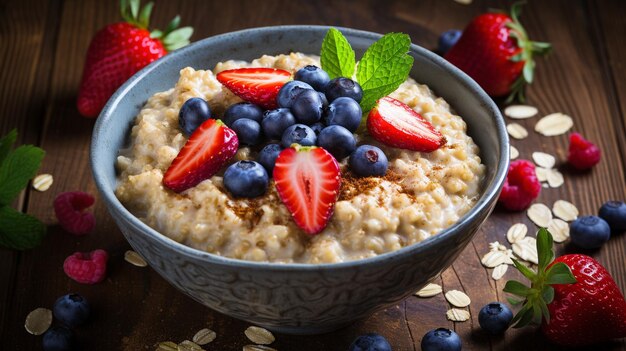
[[352, 186]]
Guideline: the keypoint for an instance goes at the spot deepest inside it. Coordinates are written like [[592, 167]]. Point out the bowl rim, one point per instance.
[[483, 204]]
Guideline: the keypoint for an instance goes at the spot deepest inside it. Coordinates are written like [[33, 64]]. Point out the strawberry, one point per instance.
[[119, 50], [208, 149], [495, 51], [395, 124], [257, 85], [574, 298], [308, 180]]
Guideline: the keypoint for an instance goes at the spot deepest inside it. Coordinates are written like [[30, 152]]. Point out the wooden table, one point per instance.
[[43, 46]]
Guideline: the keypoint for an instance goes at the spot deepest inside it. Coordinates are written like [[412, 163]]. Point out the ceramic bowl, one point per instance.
[[297, 298]]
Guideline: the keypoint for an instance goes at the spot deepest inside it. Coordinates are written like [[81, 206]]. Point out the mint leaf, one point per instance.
[[5, 144], [17, 169], [384, 66], [18, 230], [337, 56]]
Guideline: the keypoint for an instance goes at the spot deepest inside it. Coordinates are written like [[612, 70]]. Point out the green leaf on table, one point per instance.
[[17, 169], [337, 56], [18, 230], [6, 143], [384, 66]]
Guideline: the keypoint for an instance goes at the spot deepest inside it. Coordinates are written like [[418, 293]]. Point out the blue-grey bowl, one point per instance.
[[297, 298]]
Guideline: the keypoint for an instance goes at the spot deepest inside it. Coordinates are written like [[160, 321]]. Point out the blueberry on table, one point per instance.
[[58, 339], [242, 110], [346, 112], [192, 114], [447, 40], [246, 179], [314, 76], [495, 317], [346, 87], [368, 160], [307, 107], [267, 156], [276, 121], [288, 92], [441, 339], [337, 140], [370, 342], [589, 232], [248, 131], [298, 134], [72, 310], [614, 213]]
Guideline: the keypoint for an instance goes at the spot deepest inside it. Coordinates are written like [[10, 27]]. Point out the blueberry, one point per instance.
[[242, 110], [192, 114], [248, 131], [307, 107], [370, 342], [447, 40], [589, 232], [345, 112], [276, 121], [267, 156], [367, 161], [299, 134], [317, 127], [288, 92], [58, 339], [341, 86], [337, 140], [314, 76], [441, 339], [495, 317], [324, 102], [246, 179], [71, 309], [614, 213]]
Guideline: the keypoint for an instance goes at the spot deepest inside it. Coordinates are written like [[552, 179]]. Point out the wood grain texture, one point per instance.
[[135, 308]]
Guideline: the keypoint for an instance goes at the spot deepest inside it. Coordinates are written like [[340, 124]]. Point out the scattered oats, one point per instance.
[[565, 210], [457, 315], [189, 346], [134, 258], [42, 182], [516, 233], [544, 160], [167, 346], [554, 124], [526, 249], [458, 298], [494, 246], [555, 178], [430, 290], [513, 153], [38, 321], [516, 131], [545, 185], [204, 336], [258, 348], [509, 256], [559, 230], [499, 271], [540, 214], [259, 335], [493, 259], [520, 111], [542, 173]]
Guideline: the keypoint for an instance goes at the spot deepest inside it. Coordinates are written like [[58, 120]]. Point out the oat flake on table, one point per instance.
[[43, 182], [167, 346], [134, 258], [559, 230], [516, 131], [38, 321], [520, 111], [542, 173], [526, 249], [493, 259], [554, 124], [457, 315], [513, 153], [565, 210], [540, 214], [259, 335], [543, 159], [187, 345], [516, 233], [204, 336], [499, 271], [258, 348], [458, 298], [429, 290], [555, 178]]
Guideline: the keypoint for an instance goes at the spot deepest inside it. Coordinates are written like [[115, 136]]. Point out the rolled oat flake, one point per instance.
[[429, 290], [258, 348], [42, 182], [457, 315], [204, 336], [134, 258], [189, 346], [259, 335], [458, 298], [38, 321], [167, 346]]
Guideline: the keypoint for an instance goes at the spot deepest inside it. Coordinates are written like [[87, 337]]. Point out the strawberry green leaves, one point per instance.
[[337, 56]]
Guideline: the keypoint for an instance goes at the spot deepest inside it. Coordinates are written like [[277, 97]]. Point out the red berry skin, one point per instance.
[[521, 186], [115, 53], [69, 208], [582, 154], [589, 311], [87, 267]]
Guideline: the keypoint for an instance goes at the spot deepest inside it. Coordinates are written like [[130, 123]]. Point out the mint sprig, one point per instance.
[[337, 56], [17, 230]]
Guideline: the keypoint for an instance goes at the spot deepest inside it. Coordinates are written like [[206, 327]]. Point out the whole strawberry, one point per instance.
[[495, 51], [119, 50], [573, 298]]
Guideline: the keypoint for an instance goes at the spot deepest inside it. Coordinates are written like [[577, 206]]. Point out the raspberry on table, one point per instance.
[[582, 154], [521, 186], [87, 267], [69, 208]]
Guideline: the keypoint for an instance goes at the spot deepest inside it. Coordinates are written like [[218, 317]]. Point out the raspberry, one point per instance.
[[87, 267], [521, 186], [582, 153], [69, 207]]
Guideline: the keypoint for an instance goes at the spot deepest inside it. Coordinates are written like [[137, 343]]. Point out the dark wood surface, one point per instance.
[[43, 46]]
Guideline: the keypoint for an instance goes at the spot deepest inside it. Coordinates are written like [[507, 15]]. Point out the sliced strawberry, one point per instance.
[[206, 151], [395, 124], [308, 180], [257, 85]]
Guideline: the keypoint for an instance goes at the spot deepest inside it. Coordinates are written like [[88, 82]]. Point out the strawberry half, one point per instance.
[[257, 85], [395, 124], [308, 181], [208, 149]]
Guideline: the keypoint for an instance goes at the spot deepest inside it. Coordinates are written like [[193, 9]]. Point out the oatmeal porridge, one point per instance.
[[420, 195]]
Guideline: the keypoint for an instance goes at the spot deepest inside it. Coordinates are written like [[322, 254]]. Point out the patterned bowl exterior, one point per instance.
[[297, 298]]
